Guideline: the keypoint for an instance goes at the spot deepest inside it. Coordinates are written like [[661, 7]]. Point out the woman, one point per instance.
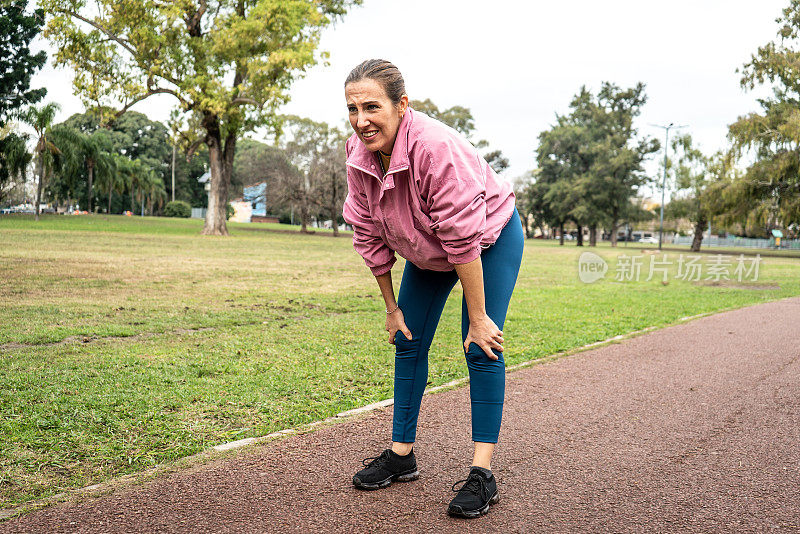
[[418, 188]]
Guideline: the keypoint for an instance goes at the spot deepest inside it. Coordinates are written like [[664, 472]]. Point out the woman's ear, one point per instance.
[[402, 106]]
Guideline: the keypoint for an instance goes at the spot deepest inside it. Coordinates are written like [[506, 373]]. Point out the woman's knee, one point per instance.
[[405, 348], [476, 357]]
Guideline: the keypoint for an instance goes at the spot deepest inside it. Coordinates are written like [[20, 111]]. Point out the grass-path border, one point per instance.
[[232, 448]]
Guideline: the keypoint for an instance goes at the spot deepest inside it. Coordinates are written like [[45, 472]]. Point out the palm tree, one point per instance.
[[145, 186], [41, 119], [114, 176], [155, 190], [96, 151], [68, 162]]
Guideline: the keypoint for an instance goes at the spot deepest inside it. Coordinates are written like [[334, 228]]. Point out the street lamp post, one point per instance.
[[664, 182]]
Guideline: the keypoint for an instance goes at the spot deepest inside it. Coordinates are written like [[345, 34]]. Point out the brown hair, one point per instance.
[[383, 72]]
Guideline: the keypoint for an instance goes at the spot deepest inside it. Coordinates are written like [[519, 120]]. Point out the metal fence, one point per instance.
[[746, 242]]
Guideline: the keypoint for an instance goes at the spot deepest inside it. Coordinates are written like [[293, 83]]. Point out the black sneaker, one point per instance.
[[383, 469], [475, 495]]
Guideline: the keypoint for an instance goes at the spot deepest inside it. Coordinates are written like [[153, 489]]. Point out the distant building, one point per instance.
[[256, 195], [242, 211], [205, 179]]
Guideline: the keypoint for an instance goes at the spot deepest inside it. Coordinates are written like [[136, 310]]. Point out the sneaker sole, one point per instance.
[[402, 477], [471, 514]]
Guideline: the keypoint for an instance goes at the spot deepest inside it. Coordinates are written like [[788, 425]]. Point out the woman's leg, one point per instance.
[[487, 378], [421, 297]]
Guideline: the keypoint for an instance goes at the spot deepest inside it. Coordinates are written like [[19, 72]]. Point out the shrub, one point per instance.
[[229, 212], [178, 208]]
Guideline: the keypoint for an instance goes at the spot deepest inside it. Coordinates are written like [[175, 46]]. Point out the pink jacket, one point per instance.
[[437, 206]]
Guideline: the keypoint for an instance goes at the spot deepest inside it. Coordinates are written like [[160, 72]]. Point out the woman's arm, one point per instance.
[[482, 330], [394, 315]]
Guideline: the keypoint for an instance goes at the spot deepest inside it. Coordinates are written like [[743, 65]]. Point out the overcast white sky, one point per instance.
[[516, 64]]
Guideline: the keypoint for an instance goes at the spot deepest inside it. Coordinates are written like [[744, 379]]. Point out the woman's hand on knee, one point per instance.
[[484, 333], [394, 322]]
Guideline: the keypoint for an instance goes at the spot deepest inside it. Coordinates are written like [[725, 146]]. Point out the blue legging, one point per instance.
[[422, 297]]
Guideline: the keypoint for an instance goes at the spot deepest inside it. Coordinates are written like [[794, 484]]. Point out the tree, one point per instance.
[[772, 182], [133, 135], [591, 160], [497, 161], [705, 187], [97, 154], [457, 117], [460, 119], [17, 65], [560, 160], [14, 159], [230, 61], [41, 120], [116, 180], [316, 150], [329, 172], [524, 190], [68, 176]]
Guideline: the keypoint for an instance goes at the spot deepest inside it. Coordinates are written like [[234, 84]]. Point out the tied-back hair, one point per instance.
[[382, 71]]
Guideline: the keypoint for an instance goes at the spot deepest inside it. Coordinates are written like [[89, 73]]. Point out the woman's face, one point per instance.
[[373, 116]]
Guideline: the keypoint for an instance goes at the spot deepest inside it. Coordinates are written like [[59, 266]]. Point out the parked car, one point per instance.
[[650, 240]]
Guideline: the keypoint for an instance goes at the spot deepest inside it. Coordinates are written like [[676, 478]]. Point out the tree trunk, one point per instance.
[[614, 228], [561, 234], [221, 162], [173, 171], [91, 177], [699, 226], [110, 190], [334, 207], [304, 214], [593, 235], [527, 226], [40, 171], [580, 236]]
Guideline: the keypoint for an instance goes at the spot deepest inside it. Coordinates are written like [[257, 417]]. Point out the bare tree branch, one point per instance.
[[194, 146], [151, 92], [124, 43], [246, 100]]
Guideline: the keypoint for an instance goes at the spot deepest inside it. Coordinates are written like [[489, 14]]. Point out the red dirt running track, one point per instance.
[[692, 428]]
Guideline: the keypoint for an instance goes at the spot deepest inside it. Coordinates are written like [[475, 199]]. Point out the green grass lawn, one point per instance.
[[128, 342]]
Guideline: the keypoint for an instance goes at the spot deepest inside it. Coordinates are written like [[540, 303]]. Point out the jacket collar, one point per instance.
[[362, 158]]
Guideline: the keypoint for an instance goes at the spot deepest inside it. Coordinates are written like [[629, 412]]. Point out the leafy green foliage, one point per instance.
[[17, 64], [178, 208], [229, 63], [590, 161], [14, 160], [769, 193], [457, 117]]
